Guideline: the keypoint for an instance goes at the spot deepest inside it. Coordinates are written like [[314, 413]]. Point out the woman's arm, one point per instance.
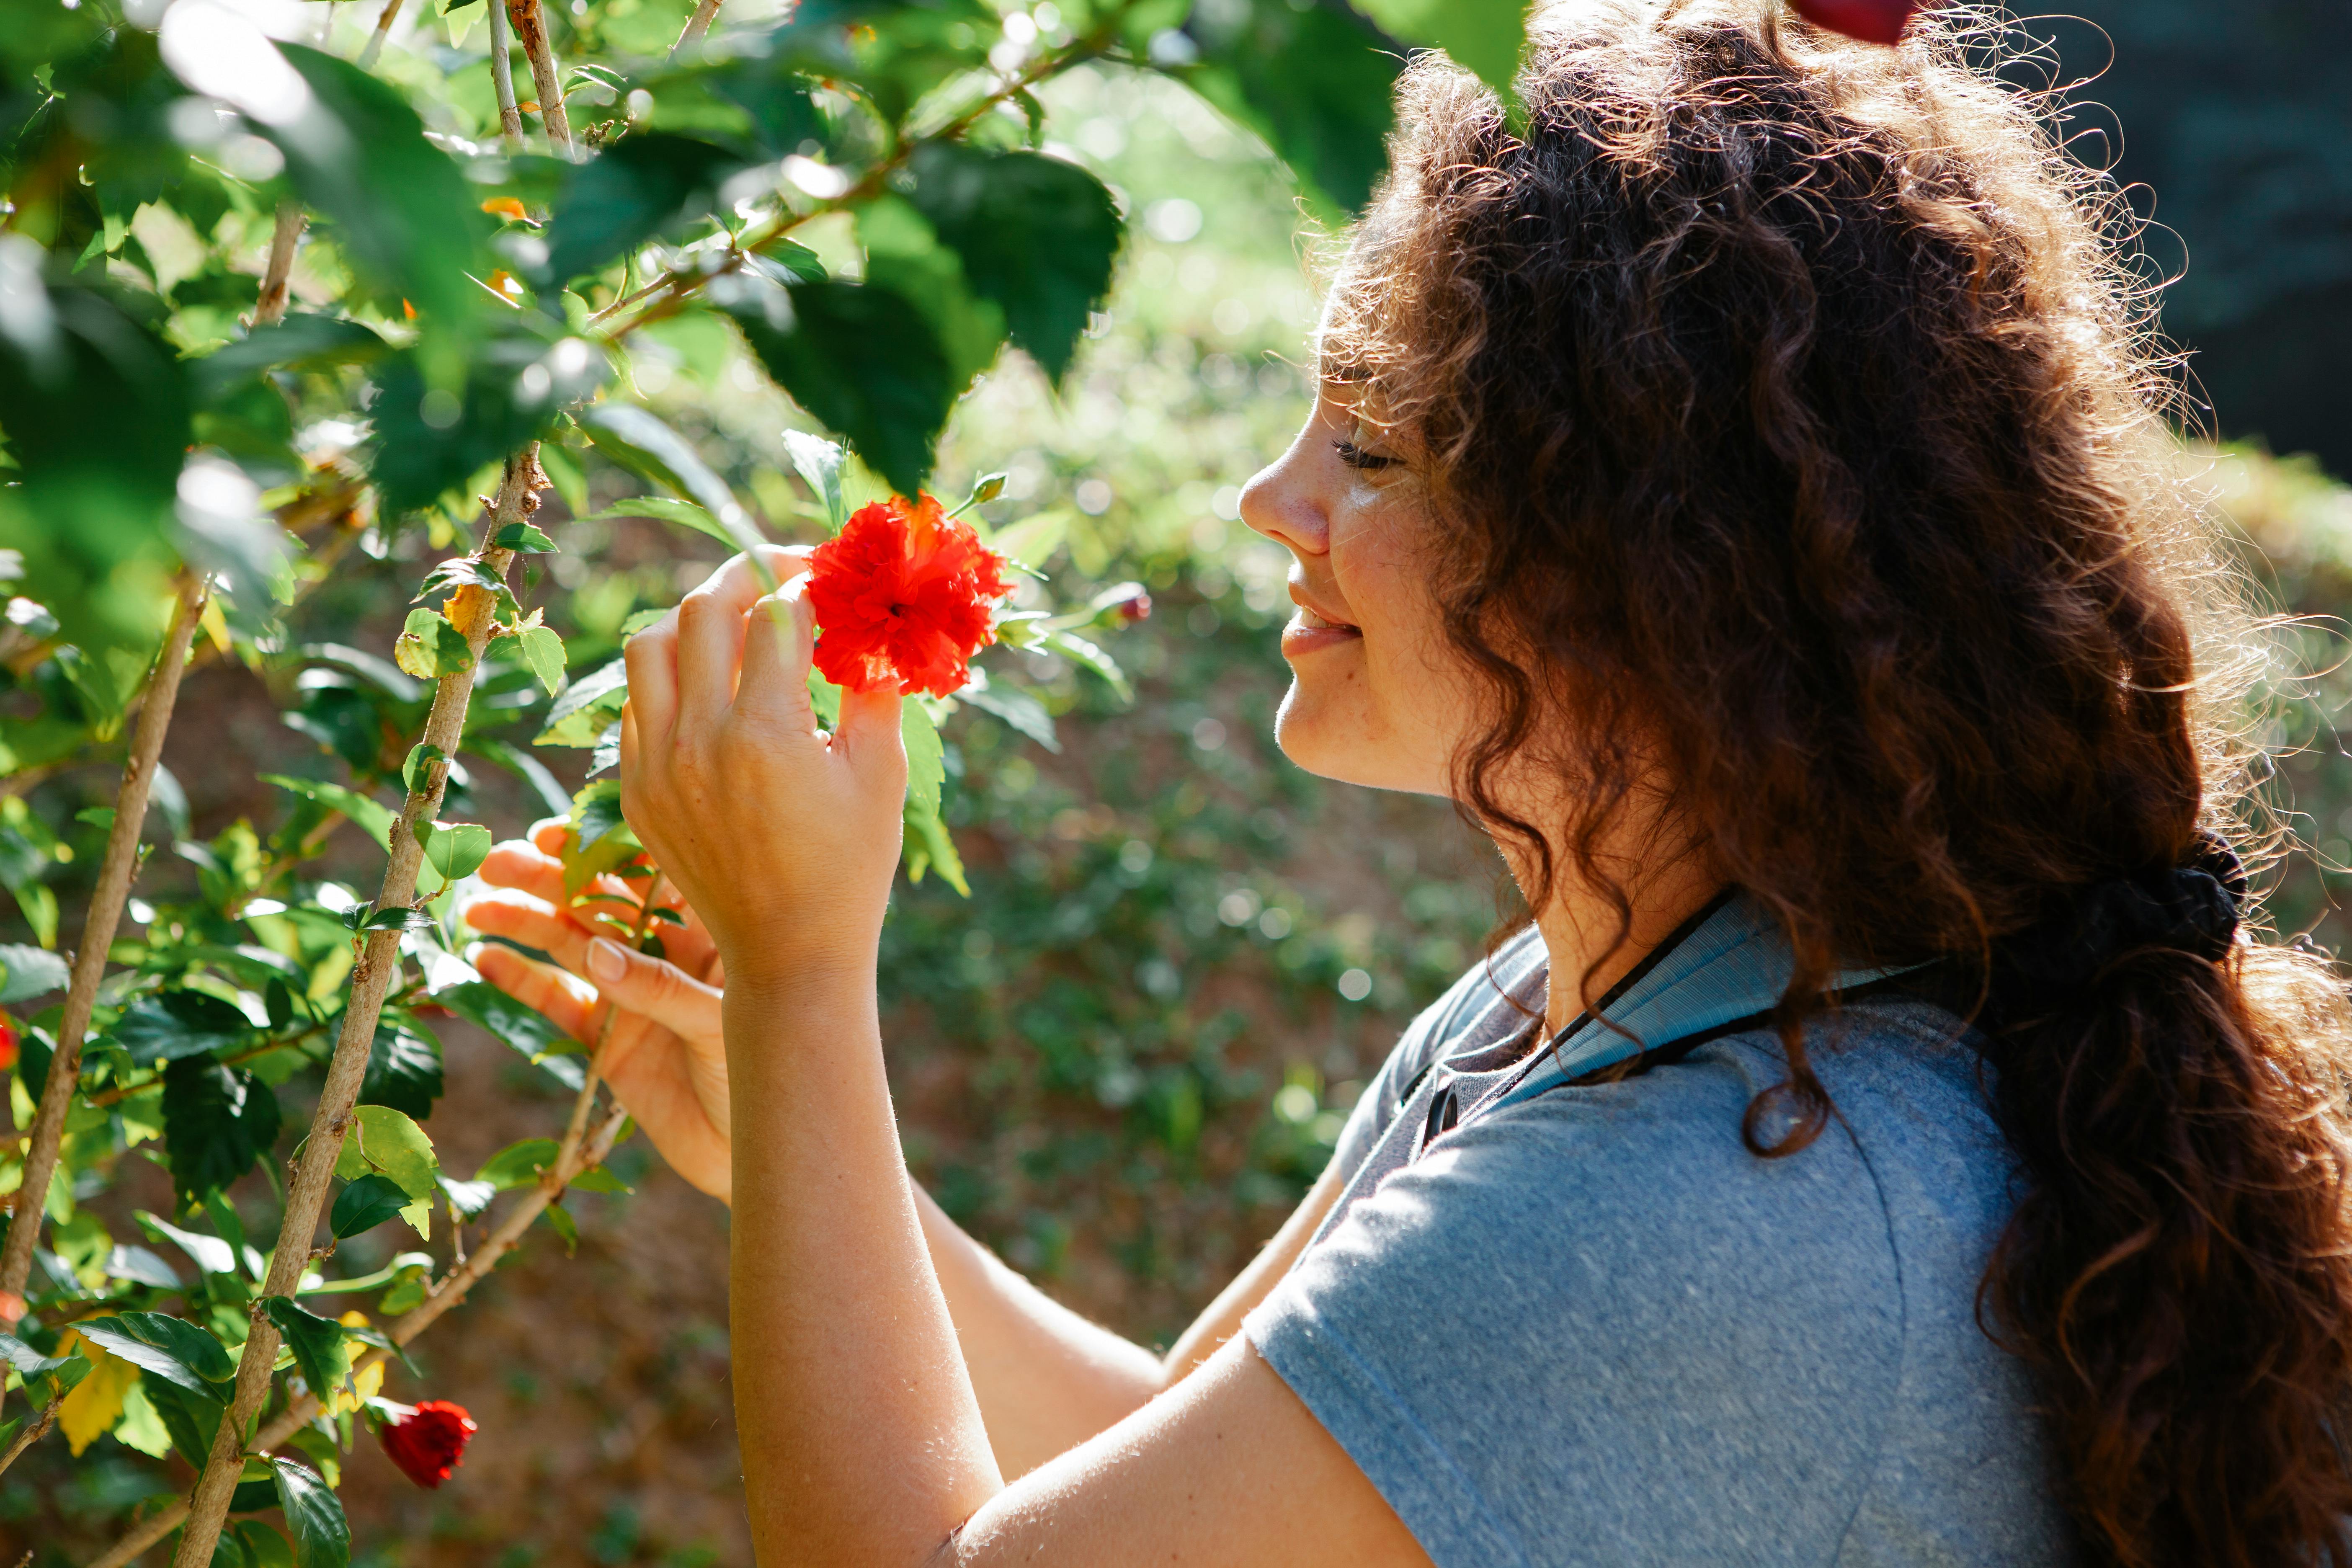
[[863, 1439], [1047, 1378]]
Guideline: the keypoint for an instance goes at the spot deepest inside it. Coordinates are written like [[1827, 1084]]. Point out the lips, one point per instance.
[[1309, 620]]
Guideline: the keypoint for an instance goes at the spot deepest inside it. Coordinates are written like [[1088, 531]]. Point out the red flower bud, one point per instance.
[[7, 1042], [428, 1441], [902, 596], [1872, 21], [1123, 604]]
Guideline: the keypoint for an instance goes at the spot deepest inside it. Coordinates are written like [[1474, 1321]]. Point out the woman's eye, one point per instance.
[[1355, 456]]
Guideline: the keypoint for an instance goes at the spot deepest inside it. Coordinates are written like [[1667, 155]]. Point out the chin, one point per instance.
[[1346, 746]]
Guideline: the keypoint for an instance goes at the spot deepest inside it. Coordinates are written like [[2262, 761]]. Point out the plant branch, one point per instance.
[[33, 1433], [502, 80], [374, 46], [270, 309], [106, 901], [695, 26], [669, 292], [530, 29], [473, 613]]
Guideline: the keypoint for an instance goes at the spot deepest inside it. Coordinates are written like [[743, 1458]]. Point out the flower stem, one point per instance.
[[371, 978], [106, 901]]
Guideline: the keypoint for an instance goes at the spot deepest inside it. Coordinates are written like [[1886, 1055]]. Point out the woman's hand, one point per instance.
[[785, 837], [667, 1059]]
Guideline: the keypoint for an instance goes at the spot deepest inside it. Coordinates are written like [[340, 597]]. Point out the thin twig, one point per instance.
[[374, 46], [270, 309], [32, 1434], [106, 901], [502, 80], [300, 1410], [695, 26], [474, 613], [531, 31]]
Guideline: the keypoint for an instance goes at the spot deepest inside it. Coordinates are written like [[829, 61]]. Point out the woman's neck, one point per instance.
[[1581, 931]]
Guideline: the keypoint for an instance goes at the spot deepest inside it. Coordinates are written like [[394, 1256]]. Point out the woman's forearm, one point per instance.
[[862, 1440], [1047, 1378]]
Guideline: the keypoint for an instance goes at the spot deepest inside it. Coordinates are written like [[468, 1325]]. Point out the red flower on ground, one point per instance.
[[7, 1042], [902, 595], [1872, 21], [429, 1441]]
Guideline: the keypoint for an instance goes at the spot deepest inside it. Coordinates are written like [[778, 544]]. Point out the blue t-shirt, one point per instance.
[[1585, 1325]]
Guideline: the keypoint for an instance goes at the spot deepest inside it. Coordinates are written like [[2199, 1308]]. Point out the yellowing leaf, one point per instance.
[[368, 1379], [91, 1411], [507, 207], [388, 1143]]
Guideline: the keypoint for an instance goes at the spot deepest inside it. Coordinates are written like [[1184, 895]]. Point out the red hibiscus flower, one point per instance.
[[7, 1042], [1872, 21], [428, 1441], [902, 595]]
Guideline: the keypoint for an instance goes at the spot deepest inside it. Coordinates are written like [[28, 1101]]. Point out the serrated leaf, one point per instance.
[[164, 1026], [171, 1348], [1318, 82], [31, 971], [589, 704], [1036, 235], [518, 1026], [189, 1418], [818, 463], [322, 1537], [364, 1203], [217, 1122], [317, 1344], [634, 189], [667, 508], [388, 1143], [404, 1071], [523, 539], [543, 649], [643, 444]]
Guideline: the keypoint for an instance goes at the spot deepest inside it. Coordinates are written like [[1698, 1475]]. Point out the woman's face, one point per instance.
[[1377, 696]]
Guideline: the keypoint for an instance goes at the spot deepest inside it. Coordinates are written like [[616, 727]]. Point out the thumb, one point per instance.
[[661, 991]]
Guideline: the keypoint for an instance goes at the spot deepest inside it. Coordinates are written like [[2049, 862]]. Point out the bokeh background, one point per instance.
[[1124, 1056]]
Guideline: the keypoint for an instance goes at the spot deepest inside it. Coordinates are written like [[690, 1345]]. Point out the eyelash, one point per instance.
[[1355, 456]]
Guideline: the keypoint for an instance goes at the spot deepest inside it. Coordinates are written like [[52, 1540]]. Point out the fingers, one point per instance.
[[710, 627], [569, 1004], [652, 659], [654, 988], [778, 637], [868, 737]]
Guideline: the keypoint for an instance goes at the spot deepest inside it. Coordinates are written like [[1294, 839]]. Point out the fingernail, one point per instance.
[[605, 960]]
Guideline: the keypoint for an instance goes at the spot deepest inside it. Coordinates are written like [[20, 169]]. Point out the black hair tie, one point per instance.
[[2191, 907]]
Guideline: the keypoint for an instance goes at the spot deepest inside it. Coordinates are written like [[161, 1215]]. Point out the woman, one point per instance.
[[1885, 1145]]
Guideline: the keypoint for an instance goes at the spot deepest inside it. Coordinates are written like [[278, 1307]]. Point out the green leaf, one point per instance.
[[867, 361], [543, 649], [640, 442], [519, 1164], [523, 765], [365, 1204], [1083, 652], [28, 971], [925, 765], [516, 1025], [1016, 708], [1318, 82], [587, 706], [456, 849], [430, 648], [1031, 542], [164, 1026], [403, 1071], [635, 188], [191, 1419], [818, 463], [430, 438], [1483, 36], [522, 538], [300, 342], [171, 1348], [388, 1143], [1038, 236], [929, 847], [264, 1546], [374, 819], [420, 757], [317, 1344], [601, 840], [217, 1122], [322, 1537], [667, 509]]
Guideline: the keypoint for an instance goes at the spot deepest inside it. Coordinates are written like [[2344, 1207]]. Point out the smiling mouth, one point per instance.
[[1309, 621]]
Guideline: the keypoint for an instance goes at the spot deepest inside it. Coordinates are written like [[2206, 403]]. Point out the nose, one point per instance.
[[1281, 502]]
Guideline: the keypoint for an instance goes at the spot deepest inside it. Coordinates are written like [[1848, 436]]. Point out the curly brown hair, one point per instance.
[[1793, 423]]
